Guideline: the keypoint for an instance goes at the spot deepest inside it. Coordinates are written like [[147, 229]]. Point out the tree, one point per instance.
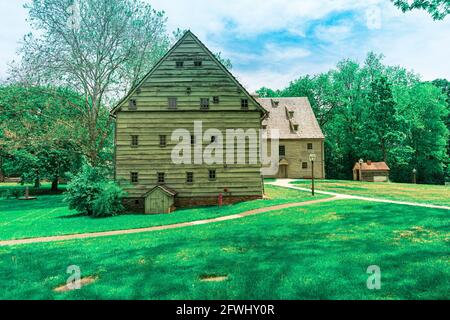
[[423, 109], [99, 48], [438, 9], [41, 133], [381, 123]]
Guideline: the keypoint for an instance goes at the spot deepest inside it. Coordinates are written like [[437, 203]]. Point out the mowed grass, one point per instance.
[[420, 193], [321, 251], [49, 215]]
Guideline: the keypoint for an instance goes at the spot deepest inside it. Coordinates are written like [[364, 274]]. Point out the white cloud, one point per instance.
[[373, 17], [334, 33], [412, 40], [250, 17], [277, 52]]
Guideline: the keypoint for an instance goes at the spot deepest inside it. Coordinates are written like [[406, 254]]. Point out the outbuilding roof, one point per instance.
[[372, 166], [293, 117]]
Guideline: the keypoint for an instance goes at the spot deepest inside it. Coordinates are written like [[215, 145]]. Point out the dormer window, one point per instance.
[[197, 63], [179, 64], [132, 104]]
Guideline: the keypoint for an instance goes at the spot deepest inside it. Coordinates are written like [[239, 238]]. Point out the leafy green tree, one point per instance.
[[90, 193], [423, 110], [41, 133], [381, 122], [97, 48], [438, 9]]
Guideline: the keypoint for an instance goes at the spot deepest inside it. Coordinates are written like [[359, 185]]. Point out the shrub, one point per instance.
[[90, 193]]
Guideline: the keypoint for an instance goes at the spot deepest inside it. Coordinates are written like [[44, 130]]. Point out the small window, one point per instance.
[[244, 104], [282, 151], [172, 103], [216, 100], [310, 146], [295, 127], [189, 177], [162, 141], [132, 104], [212, 175], [161, 177], [204, 103], [213, 139], [188, 90], [264, 126], [179, 64], [304, 165], [134, 140], [291, 114], [198, 63], [134, 176], [192, 139]]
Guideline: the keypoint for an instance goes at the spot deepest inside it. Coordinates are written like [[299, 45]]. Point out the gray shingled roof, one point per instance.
[[279, 118]]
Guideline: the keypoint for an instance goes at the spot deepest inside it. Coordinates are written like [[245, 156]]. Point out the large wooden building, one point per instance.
[[188, 84], [300, 135]]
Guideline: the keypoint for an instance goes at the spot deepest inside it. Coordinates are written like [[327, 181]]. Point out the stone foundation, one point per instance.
[[181, 202], [137, 205], [134, 205]]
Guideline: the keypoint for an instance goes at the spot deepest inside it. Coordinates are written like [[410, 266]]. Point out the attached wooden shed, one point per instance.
[[160, 199], [371, 171]]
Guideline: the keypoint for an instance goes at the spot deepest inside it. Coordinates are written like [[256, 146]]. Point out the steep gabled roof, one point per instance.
[[373, 166], [164, 189], [208, 52], [303, 116]]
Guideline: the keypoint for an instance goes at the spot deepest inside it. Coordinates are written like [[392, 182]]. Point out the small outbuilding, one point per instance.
[[160, 199], [371, 171]]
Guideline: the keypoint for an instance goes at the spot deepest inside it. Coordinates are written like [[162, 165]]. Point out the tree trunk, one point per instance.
[[2, 174], [37, 182], [55, 184]]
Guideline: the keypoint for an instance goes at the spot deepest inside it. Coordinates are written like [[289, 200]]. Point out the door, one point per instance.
[[282, 172], [156, 202]]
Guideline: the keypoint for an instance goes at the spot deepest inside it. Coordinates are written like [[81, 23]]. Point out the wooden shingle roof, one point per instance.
[[373, 166], [287, 114]]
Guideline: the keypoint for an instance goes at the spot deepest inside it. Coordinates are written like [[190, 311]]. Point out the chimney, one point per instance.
[[369, 162]]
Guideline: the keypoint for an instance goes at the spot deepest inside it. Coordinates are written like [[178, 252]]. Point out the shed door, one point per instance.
[[156, 202]]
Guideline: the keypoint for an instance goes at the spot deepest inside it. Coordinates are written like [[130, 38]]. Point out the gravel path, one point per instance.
[[286, 183]]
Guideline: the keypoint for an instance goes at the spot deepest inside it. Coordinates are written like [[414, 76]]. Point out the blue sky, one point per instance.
[[272, 42]]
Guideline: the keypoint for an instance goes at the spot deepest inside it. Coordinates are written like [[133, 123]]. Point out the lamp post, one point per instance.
[[312, 158], [414, 175], [361, 161]]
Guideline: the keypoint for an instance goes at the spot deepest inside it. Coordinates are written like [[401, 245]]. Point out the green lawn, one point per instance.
[[321, 251], [12, 190], [49, 215], [421, 193]]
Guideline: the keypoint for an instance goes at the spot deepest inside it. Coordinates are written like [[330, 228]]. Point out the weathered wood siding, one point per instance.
[[153, 118], [296, 153]]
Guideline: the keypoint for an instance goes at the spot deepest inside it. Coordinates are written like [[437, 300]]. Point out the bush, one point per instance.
[[90, 193]]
